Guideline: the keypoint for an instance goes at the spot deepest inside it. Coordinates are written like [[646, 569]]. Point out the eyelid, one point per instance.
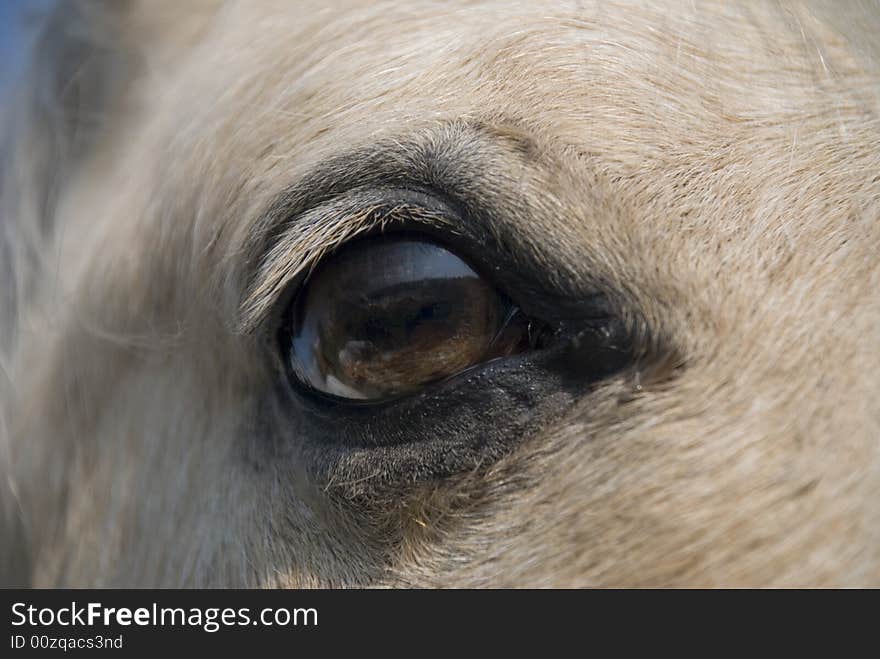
[[324, 228]]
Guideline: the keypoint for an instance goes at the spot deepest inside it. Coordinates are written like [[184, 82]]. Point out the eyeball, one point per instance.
[[384, 317]]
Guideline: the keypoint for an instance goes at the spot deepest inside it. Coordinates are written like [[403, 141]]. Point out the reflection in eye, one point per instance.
[[384, 317]]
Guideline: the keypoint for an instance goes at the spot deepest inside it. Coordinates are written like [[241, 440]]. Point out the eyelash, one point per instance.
[[303, 242]]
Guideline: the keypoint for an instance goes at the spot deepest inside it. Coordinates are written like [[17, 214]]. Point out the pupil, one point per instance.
[[436, 311]]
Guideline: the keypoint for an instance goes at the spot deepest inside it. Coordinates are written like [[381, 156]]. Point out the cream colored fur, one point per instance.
[[718, 163]]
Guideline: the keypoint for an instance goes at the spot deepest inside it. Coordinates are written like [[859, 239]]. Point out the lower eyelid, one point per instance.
[[460, 424]]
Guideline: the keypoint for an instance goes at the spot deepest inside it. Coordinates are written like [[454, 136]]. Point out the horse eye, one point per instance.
[[383, 317]]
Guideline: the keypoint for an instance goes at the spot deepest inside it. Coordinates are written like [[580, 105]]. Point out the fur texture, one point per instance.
[[716, 165]]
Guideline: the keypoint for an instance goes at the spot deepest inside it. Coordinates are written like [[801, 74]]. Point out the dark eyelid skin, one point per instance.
[[443, 187]]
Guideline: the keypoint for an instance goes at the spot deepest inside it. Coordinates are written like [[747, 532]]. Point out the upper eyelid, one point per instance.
[[332, 202], [318, 232], [459, 168]]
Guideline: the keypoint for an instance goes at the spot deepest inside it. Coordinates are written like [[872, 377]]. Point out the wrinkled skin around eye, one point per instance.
[[384, 317]]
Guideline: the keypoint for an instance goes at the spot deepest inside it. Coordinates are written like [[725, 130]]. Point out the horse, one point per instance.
[[415, 294]]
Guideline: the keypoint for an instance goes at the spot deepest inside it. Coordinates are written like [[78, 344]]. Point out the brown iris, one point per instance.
[[386, 316]]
